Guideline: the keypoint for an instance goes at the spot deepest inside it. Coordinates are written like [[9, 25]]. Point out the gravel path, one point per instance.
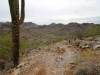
[[53, 60]]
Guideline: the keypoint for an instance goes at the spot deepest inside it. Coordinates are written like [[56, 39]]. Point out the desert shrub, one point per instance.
[[93, 31], [59, 39], [24, 45], [38, 44], [5, 46], [79, 35], [87, 54], [47, 41], [89, 67], [88, 63]]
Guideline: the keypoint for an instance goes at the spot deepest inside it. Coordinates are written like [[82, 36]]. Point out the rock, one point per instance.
[[71, 63], [2, 64], [66, 43], [40, 48], [98, 42], [61, 50], [20, 65], [16, 72], [33, 74], [72, 67], [96, 47], [89, 39], [10, 70], [53, 72], [84, 46]]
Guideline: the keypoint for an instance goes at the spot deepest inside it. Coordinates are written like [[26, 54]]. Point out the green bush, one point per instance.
[[93, 31], [47, 41], [5, 46], [24, 45]]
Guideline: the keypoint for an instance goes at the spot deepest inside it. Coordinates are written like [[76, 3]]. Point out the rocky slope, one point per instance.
[[53, 60]]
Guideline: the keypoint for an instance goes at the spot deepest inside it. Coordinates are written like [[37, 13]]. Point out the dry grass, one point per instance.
[[88, 64], [90, 67]]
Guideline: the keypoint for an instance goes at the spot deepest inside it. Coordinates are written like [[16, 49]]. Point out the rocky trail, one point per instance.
[[56, 59]]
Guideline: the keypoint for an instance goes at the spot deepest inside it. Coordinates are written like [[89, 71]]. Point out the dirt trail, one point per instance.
[[53, 60]]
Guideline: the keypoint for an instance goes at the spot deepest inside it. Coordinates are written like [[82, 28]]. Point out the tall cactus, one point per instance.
[[16, 21]]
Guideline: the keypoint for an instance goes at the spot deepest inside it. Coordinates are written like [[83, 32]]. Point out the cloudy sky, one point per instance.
[[58, 11]]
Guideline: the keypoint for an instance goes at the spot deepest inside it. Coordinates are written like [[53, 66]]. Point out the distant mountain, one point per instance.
[[25, 25], [87, 25], [53, 28], [1, 23], [5, 27], [60, 29], [52, 24], [28, 25], [75, 27], [5, 23]]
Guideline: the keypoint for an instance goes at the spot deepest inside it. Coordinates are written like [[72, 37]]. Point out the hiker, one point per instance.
[[69, 41], [74, 39]]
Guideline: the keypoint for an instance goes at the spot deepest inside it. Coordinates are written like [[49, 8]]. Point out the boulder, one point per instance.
[[96, 47], [16, 72], [2, 64]]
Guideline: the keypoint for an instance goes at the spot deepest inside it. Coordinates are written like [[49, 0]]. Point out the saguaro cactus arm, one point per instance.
[[12, 8], [22, 17], [12, 5]]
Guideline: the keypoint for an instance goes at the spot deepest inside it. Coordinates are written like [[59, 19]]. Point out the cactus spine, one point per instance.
[[16, 21]]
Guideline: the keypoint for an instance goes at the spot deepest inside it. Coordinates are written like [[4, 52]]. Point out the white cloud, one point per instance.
[[46, 11]]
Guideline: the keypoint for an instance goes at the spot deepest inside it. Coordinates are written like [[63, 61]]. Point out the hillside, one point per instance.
[[47, 34], [59, 58], [45, 50], [93, 31], [59, 29], [28, 25]]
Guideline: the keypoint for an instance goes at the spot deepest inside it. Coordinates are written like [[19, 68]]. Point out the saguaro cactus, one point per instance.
[[16, 21]]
